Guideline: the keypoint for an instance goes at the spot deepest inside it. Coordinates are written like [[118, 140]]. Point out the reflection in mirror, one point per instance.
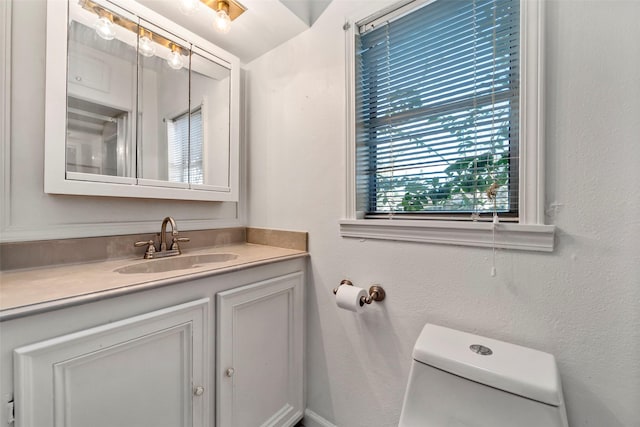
[[163, 105], [210, 132], [101, 93]]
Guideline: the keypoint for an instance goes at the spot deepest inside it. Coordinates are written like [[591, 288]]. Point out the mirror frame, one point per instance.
[[55, 174]]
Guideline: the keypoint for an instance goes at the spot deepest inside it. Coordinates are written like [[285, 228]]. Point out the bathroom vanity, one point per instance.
[[213, 345], [139, 107]]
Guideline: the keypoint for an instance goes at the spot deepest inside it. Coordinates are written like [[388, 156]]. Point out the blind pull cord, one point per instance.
[[492, 194]]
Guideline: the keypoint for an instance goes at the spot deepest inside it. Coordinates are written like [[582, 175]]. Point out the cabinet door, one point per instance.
[[140, 372], [260, 350]]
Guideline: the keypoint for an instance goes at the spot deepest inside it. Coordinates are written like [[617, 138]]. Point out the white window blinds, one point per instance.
[[185, 154], [437, 95]]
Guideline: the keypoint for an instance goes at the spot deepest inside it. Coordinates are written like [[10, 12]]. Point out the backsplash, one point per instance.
[[17, 255]]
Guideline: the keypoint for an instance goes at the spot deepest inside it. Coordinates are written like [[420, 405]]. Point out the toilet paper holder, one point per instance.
[[376, 293]]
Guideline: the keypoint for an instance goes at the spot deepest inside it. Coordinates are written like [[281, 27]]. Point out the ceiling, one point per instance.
[[265, 25]]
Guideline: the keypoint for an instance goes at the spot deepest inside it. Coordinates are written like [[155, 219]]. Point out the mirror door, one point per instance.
[[163, 108], [210, 123], [101, 93]]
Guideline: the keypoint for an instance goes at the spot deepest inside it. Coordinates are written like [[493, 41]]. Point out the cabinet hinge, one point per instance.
[[11, 415]]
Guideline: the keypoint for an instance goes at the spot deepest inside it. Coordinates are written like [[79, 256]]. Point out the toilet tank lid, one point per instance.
[[512, 368]]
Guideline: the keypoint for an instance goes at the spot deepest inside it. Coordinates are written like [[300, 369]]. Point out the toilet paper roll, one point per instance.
[[348, 297]]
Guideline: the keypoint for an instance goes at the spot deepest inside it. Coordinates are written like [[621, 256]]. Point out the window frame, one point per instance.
[[530, 232]]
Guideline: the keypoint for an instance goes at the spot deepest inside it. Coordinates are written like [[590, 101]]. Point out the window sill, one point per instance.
[[526, 237]]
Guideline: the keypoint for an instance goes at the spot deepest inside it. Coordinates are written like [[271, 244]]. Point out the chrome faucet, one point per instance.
[[162, 250]]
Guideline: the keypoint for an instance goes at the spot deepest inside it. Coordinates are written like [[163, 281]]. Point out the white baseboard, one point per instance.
[[311, 419]]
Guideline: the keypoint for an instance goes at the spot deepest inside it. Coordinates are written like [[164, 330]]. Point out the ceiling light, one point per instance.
[[225, 11], [175, 59], [222, 21], [188, 7], [104, 28]]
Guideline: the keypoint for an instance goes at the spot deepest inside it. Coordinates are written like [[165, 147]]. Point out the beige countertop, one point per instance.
[[29, 291]]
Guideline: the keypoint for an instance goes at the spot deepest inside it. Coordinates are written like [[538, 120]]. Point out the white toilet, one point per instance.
[[464, 380]]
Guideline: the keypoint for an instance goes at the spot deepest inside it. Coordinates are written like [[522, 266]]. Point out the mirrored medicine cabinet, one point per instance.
[[137, 106]]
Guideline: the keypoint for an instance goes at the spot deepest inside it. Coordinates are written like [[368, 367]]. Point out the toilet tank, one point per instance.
[[459, 379]]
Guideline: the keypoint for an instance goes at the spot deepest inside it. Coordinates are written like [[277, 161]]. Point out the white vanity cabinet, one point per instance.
[[260, 352], [148, 370], [155, 357]]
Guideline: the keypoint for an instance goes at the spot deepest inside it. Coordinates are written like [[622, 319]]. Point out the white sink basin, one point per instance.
[[180, 262]]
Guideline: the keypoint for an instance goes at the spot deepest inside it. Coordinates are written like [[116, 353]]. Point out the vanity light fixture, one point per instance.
[[148, 41], [105, 28], [175, 59], [145, 45], [225, 11]]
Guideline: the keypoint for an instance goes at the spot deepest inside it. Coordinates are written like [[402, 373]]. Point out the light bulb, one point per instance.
[[146, 47], [104, 28], [175, 60], [222, 22], [189, 6]]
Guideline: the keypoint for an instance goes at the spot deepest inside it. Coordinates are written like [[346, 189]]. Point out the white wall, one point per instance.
[[581, 303], [30, 214]]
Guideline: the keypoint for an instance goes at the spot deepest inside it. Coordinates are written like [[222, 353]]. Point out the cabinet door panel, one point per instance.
[[260, 338], [135, 372]]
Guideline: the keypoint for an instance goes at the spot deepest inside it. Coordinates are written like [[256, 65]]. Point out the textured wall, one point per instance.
[[581, 303]]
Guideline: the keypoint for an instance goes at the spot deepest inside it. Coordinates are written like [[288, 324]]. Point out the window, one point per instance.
[[445, 125], [185, 154], [437, 109]]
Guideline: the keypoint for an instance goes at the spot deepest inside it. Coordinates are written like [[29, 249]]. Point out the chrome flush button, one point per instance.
[[481, 350]]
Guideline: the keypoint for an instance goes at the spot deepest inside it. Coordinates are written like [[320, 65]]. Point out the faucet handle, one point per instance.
[[174, 244], [151, 249]]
